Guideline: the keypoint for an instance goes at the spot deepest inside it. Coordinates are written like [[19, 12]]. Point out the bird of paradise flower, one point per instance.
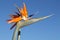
[[22, 14]]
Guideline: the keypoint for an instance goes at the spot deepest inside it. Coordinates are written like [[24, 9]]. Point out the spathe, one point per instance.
[[21, 24]]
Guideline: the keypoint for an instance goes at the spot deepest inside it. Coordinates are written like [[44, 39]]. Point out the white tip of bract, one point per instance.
[[48, 16]]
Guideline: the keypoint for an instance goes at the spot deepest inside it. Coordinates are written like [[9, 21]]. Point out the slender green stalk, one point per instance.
[[15, 33]]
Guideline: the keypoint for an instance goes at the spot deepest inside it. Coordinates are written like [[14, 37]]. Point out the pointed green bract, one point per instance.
[[21, 24]]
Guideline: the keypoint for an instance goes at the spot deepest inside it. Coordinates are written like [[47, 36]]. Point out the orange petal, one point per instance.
[[14, 20], [21, 11], [9, 21], [25, 10], [14, 16]]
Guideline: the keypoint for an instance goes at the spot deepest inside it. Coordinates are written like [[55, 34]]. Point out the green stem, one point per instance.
[[15, 33]]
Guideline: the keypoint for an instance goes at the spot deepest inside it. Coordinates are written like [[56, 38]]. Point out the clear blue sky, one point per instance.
[[48, 29]]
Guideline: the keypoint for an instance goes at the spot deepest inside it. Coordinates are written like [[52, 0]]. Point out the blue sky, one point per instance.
[[48, 29]]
